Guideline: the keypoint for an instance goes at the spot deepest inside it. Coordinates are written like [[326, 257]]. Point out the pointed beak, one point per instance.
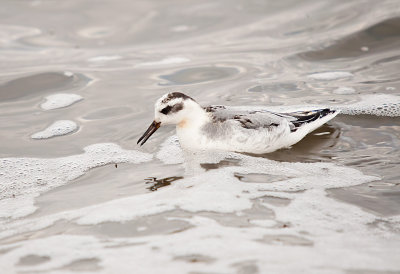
[[152, 128]]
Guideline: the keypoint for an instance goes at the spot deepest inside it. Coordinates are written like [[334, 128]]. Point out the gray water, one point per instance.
[[121, 56]]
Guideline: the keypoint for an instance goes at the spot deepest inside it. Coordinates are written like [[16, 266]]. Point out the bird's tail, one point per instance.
[[308, 117]]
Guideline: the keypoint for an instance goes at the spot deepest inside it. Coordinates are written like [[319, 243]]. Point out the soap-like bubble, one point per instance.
[[58, 128], [377, 104], [60, 100]]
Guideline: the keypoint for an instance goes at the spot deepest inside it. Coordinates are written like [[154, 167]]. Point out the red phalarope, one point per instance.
[[232, 128]]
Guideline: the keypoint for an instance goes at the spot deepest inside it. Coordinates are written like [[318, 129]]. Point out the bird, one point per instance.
[[230, 128]]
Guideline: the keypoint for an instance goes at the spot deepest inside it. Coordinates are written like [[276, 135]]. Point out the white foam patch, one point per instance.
[[330, 75], [60, 100], [68, 73], [170, 152], [263, 223], [247, 244], [243, 246], [207, 190], [318, 228], [58, 128], [377, 104], [16, 207], [166, 61], [31, 176], [371, 104]]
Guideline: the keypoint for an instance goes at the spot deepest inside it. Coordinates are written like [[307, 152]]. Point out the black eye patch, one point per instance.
[[172, 109], [166, 110]]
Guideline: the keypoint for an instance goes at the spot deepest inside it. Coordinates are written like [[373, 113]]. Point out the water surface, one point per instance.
[[329, 204]]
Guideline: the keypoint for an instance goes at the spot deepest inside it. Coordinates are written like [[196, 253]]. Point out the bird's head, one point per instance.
[[171, 109]]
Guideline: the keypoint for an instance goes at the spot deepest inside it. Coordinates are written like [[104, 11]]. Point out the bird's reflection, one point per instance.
[[315, 147], [155, 183]]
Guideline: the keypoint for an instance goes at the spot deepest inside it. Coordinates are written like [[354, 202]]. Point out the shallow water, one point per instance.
[[92, 200]]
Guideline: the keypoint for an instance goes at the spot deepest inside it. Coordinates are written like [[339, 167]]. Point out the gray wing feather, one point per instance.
[[255, 119], [247, 119]]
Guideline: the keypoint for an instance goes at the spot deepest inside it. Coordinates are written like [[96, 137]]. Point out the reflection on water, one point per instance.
[[253, 53], [260, 178], [159, 183], [317, 146], [222, 163]]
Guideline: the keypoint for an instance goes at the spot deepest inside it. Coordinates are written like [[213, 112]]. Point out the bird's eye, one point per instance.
[[166, 110]]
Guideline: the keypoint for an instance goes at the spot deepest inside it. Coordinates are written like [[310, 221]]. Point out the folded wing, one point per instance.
[[256, 119]]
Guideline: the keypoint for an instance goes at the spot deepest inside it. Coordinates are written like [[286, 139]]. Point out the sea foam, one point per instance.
[[376, 104], [58, 128], [60, 100], [369, 104], [30, 176], [316, 227]]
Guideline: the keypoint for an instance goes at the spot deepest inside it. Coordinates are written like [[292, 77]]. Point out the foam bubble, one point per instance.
[[330, 75], [31, 176], [58, 128], [371, 104], [376, 104], [60, 100], [68, 73]]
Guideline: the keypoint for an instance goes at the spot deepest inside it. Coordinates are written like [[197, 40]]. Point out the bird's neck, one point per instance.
[[189, 129], [198, 117]]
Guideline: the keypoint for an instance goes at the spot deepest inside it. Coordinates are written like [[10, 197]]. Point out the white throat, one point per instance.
[[198, 116], [188, 130]]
